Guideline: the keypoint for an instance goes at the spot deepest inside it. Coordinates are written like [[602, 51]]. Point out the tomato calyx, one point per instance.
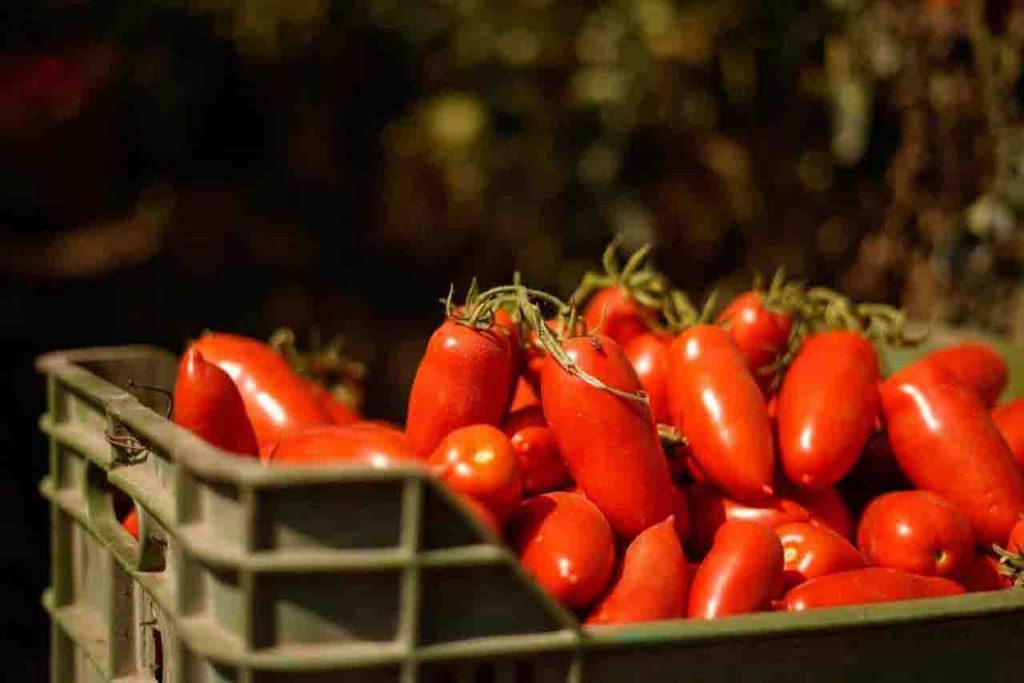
[[325, 364], [637, 278], [1010, 565]]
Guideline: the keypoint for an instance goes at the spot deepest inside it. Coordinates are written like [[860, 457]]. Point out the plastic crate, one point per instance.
[[308, 575]]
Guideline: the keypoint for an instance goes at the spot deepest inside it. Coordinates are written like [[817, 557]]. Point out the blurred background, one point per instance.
[[169, 166]]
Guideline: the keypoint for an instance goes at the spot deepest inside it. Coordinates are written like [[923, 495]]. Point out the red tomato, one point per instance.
[[566, 544], [718, 407], [479, 462], [339, 412], [761, 334], [482, 513], [827, 509], [1009, 419], [609, 442], [741, 573], [945, 442], [828, 406], [981, 573], [681, 513], [540, 464], [648, 353], [277, 400], [620, 315], [360, 442], [208, 404], [861, 586], [710, 509], [810, 551], [523, 397], [978, 366], [916, 531], [1015, 542], [131, 523], [652, 584], [465, 378]]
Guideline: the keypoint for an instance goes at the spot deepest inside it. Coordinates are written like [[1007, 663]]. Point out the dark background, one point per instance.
[[169, 167]]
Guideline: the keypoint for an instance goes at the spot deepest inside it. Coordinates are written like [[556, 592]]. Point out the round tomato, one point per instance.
[[608, 441], [566, 544], [716, 404], [916, 531], [479, 462], [208, 404], [828, 407], [540, 464], [741, 573], [945, 442], [866, 585], [810, 551], [277, 400], [465, 378], [653, 582], [619, 315], [760, 333]]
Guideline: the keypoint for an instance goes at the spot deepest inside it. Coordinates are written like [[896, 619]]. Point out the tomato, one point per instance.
[[760, 333], [609, 442], [648, 353], [741, 573], [131, 523], [916, 531], [945, 442], [523, 396], [479, 462], [361, 443], [710, 509], [620, 316], [277, 400], [827, 509], [978, 366], [465, 378], [981, 573], [337, 411], [208, 404], [810, 551], [828, 406], [540, 464], [1015, 542], [681, 513], [482, 513], [718, 407], [567, 545], [1009, 419], [652, 584], [861, 586]]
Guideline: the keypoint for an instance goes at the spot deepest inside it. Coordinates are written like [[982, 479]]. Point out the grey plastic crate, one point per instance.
[[255, 574]]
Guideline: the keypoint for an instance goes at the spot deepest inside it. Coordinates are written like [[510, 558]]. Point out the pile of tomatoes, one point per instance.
[[650, 461]]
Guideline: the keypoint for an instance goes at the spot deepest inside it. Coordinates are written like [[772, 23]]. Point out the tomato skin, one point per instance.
[[648, 353], [710, 509], [827, 509], [479, 462], [653, 582], [540, 464], [621, 316], [208, 404], [810, 551], [606, 439], [1009, 420], [131, 523], [523, 396], [277, 400], [1015, 541], [718, 407], [867, 585], [828, 406], [464, 378], [741, 573], [360, 443], [681, 513], [981, 573], [482, 513], [567, 545], [337, 411], [977, 366], [915, 531], [945, 442], [760, 334]]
